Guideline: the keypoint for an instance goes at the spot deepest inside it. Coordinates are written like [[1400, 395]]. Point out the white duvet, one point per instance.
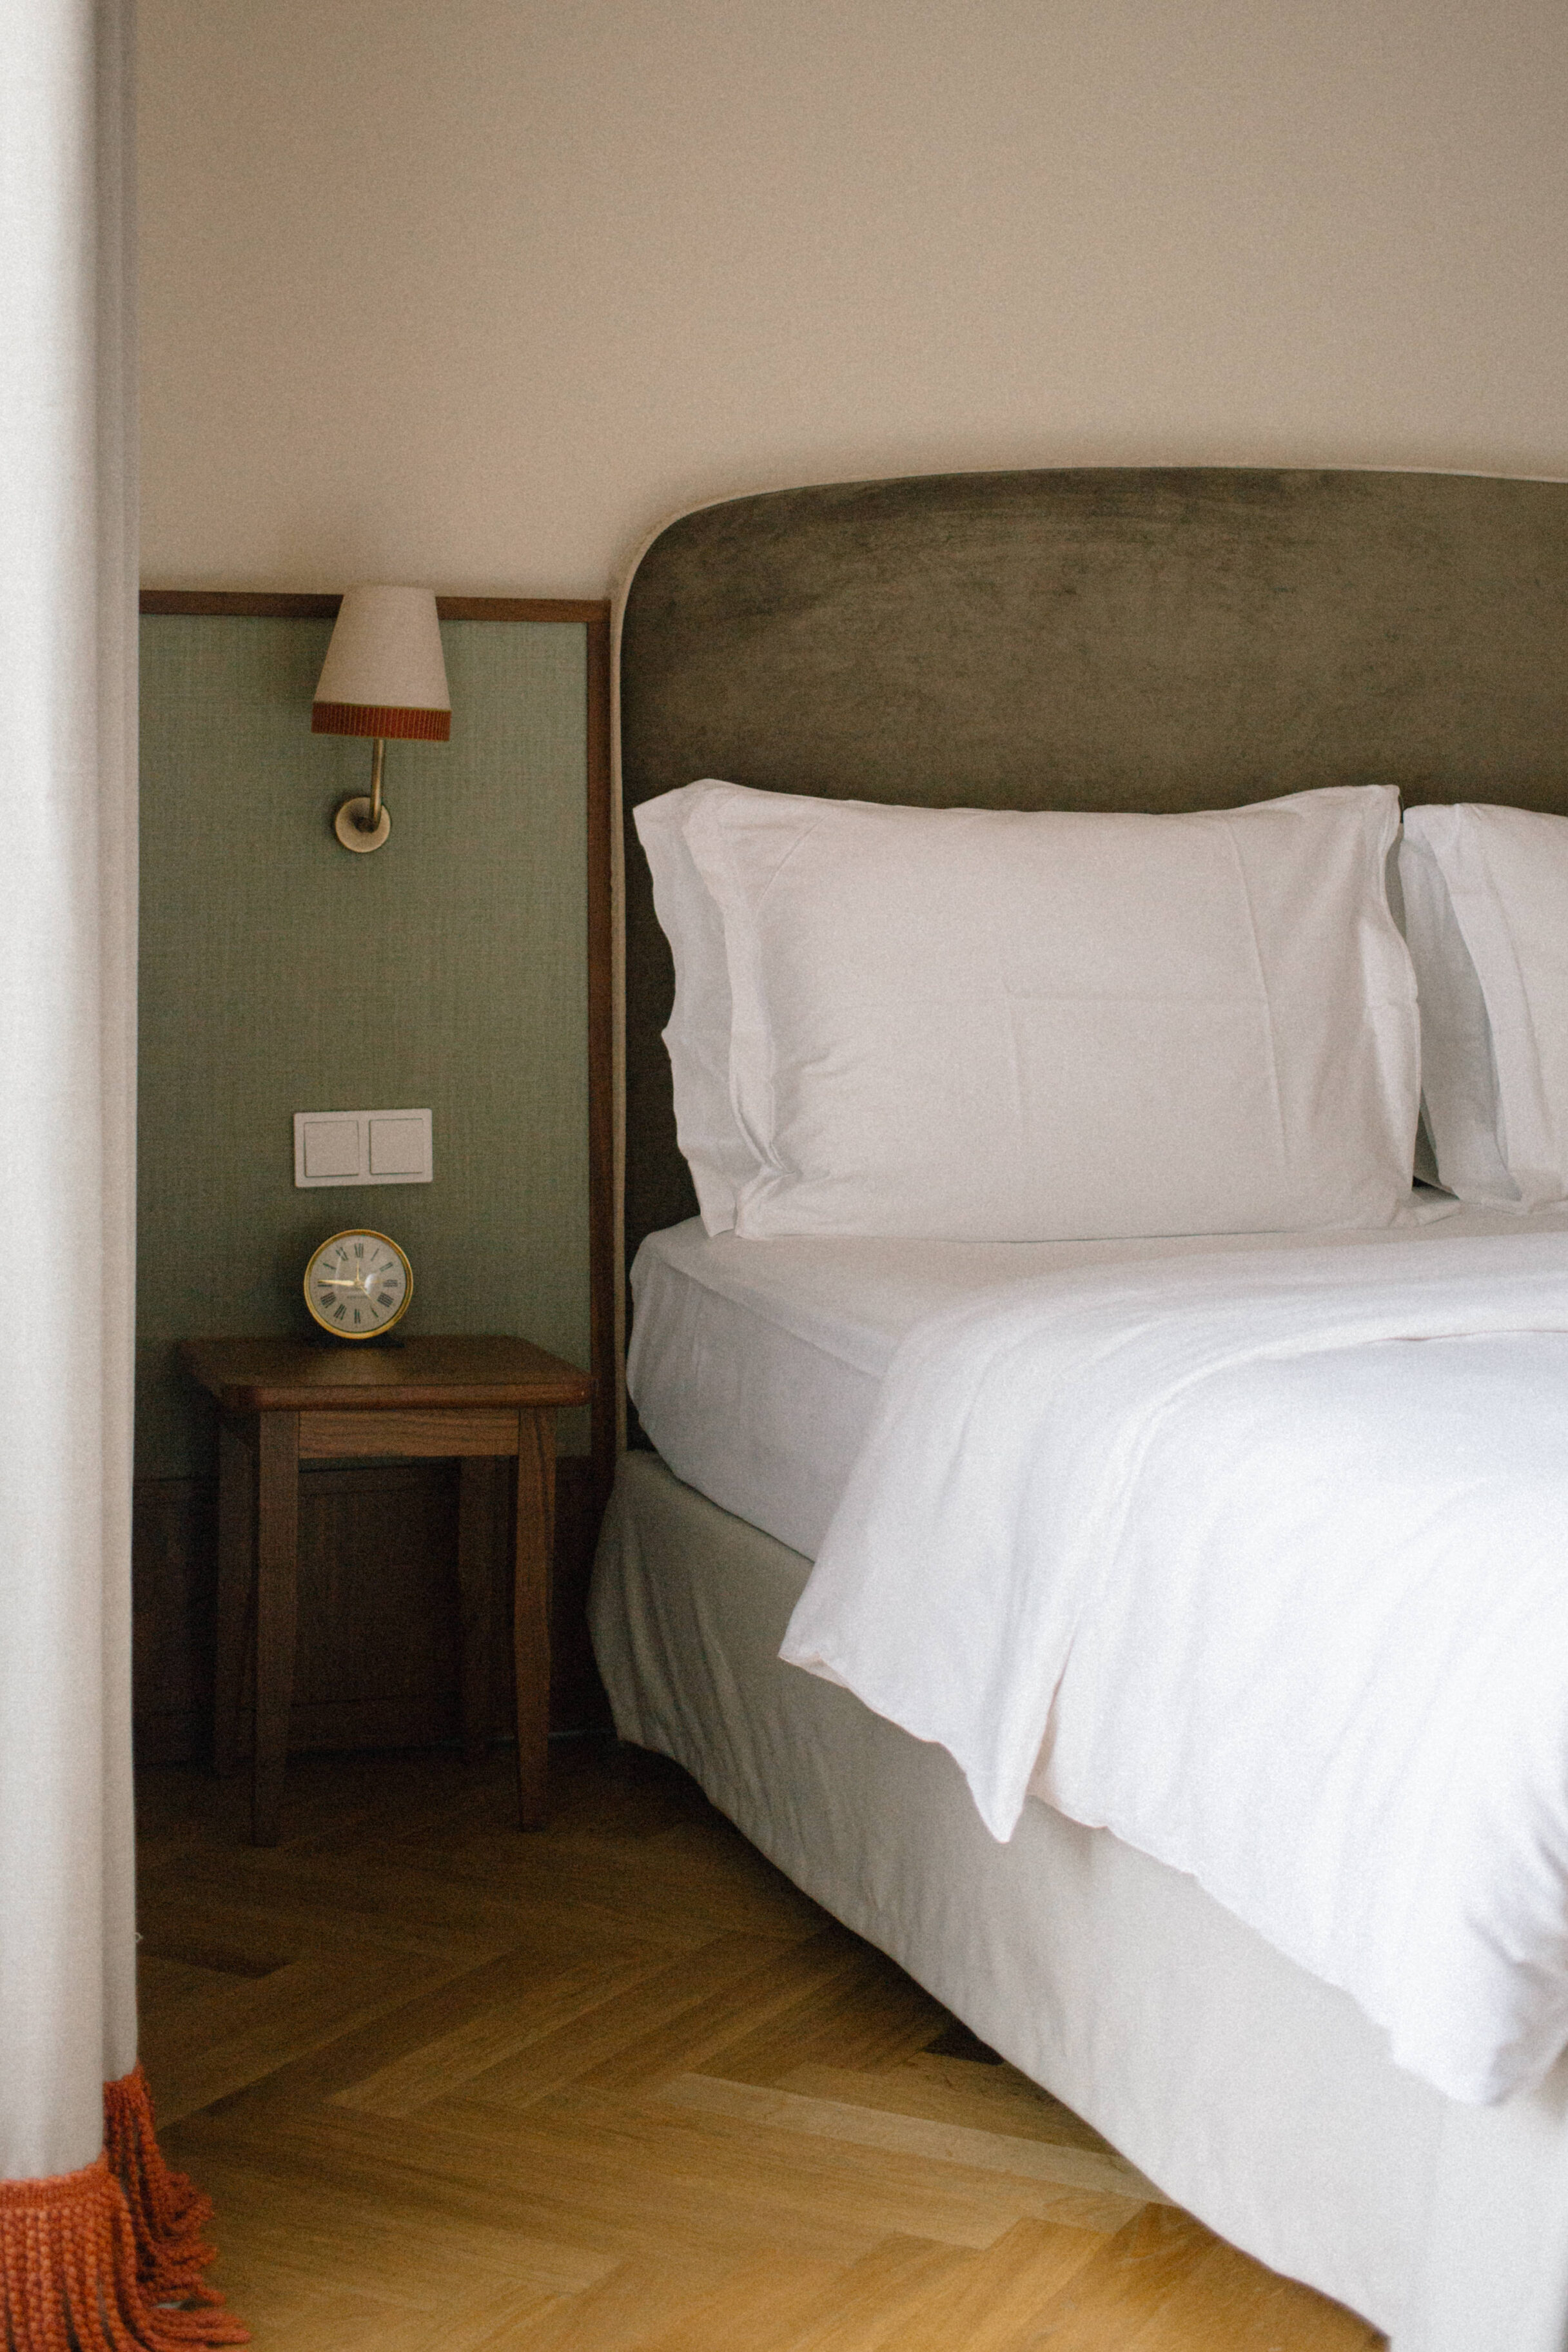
[[1262, 1564]]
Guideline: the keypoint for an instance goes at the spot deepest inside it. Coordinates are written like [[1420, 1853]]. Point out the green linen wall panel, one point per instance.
[[280, 973]]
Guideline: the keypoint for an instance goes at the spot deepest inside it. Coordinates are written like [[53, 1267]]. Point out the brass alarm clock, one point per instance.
[[358, 1285]]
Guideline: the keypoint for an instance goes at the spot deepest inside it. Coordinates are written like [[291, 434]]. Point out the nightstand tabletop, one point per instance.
[[301, 1376]]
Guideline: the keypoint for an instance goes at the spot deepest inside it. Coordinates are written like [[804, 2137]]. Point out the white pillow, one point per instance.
[[1485, 894], [979, 1025]]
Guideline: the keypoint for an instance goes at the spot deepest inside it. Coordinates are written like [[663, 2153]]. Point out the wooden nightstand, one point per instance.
[[287, 1401]]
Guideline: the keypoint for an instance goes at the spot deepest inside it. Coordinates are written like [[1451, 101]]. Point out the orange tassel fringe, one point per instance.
[[68, 2270], [168, 2218], [103, 2259]]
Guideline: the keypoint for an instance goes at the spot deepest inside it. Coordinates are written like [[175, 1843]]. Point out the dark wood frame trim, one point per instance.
[[603, 1241], [594, 615], [269, 604]]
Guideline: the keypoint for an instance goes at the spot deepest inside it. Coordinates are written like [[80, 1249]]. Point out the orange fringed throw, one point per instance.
[[89, 2265]]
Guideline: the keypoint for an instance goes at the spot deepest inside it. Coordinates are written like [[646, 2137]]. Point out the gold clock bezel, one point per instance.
[[335, 1332]]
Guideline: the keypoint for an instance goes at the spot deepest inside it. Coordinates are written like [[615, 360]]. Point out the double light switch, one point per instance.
[[362, 1147]]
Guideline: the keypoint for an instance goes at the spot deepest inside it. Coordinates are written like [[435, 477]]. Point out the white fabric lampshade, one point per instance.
[[384, 674]]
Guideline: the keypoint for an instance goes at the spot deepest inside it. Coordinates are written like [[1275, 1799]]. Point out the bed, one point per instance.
[[1154, 641]]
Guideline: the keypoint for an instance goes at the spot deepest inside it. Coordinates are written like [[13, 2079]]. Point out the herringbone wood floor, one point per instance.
[[616, 2086]]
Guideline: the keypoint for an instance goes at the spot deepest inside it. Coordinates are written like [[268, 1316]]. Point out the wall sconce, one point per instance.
[[383, 675]]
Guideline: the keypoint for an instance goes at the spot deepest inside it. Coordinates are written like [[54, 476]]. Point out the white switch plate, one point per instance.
[[363, 1147]]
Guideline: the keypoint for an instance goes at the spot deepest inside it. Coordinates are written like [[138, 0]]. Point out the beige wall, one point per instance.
[[476, 290]]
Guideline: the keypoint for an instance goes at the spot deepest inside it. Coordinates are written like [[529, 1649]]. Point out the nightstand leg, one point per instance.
[[236, 1585], [277, 1566], [531, 1611], [478, 1542]]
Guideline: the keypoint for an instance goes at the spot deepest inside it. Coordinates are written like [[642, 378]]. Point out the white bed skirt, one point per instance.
[[1257, 2096]]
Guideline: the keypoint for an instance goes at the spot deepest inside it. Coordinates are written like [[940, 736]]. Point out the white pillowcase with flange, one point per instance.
[[697, 1036], [982, 1025], [1486, 898]]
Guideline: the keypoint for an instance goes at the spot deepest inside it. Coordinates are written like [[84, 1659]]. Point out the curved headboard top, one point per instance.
[[1123, 638]]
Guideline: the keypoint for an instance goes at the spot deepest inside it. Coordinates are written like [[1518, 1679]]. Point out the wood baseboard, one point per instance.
[[377, 1652]]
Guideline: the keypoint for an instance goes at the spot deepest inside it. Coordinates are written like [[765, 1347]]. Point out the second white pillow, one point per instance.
[[1485, 898]]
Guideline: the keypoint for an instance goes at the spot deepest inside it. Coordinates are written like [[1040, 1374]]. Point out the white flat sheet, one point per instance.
[[755, 1365], [1268, 1552]]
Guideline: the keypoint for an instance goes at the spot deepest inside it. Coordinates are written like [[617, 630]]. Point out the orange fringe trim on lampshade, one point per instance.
[[168, 2217], [69, 2277]]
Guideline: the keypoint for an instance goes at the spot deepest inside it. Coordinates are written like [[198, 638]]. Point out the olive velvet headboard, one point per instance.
[[1138, 638]]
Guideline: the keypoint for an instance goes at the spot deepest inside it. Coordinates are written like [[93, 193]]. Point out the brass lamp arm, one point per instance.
[[362, 824]]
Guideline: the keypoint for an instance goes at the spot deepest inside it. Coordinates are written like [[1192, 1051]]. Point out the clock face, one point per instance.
[[357, 1284]]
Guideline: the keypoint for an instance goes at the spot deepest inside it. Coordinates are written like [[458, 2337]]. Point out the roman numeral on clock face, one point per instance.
[[355, 1285]]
